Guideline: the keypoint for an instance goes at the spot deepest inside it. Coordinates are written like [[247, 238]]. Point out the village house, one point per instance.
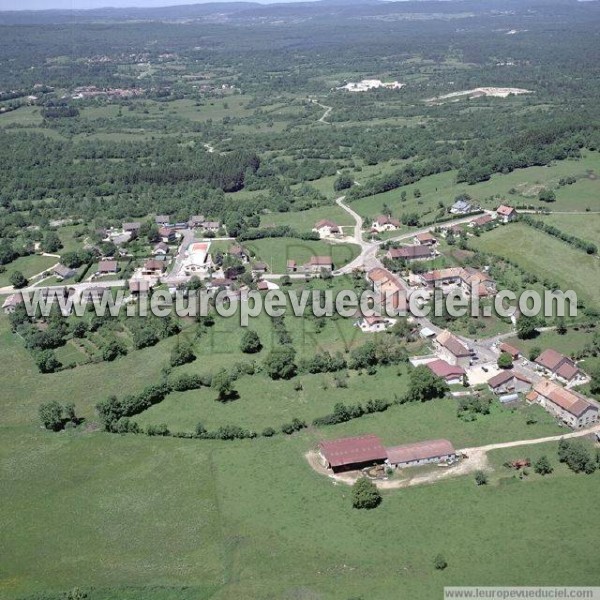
[[506, 213], [352, 453], [451, 374], [166, 234], [461, 207], [259, 268], [558, 365], [137, 287], [161, 248], [385, 223], [63, 272], [511, 350], [153, 267], [507, 382], [425, 239], [449, 348], [91, 293], [239, 253], [196, 221], [219, 283], [291, 266], [392, 293], [421, 453], [409, 253], [319, 264], [162, 220], [11, 303], [211, 226], [108, 267], [327, 228], [132, 228], [567, 405], [467, 278], [373, 323]]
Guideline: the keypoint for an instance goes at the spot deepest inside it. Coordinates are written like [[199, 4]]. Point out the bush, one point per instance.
[[280, 364], [250, 342], [51, 415], [440, 563], [161, 429], [481, 478], [181, 355], [365, 494], [505, 361], [542, 466], [268, 432]]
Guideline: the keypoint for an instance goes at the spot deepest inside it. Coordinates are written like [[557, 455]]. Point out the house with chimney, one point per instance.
[[326, 228], [506, 214]]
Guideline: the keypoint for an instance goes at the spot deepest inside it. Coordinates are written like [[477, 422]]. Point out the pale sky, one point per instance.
[[85, 4]]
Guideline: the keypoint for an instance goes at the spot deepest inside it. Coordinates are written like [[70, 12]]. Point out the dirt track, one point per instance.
[[477, 460]]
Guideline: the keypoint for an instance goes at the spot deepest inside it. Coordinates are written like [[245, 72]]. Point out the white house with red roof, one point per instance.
[[558, 365], [506, 213]]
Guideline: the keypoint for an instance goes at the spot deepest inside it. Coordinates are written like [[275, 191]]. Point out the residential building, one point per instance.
[[467, 278], [385, 223], [162, 220], [291, 266], [392, 292], [137, 287], [421, 453], [425, 239], [461, 207], [373, 324], [132, 228], [558, 365], [63, 272], [196, 221], [509, 382], [449, 348], [318, 264], [259, 268], [211, 226], [108, 266], [166, 234], [352, 453], [239, 253], [153, 267], [161, 248], [451, 374], [11, 303], [567, 405], [508, 349], [506, 213], [327, 228]]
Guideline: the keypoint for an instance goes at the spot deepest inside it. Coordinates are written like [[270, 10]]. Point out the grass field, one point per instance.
[[525, 183], [545, 256], [305, 220], [572, 341], [28, 265], [277, 251], [584, 226]]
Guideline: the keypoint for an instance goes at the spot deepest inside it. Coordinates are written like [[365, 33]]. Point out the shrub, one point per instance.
[[440, 563], [481, 478]]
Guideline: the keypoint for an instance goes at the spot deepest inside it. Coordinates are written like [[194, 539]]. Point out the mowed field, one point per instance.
[[277, 251], [547, 257]]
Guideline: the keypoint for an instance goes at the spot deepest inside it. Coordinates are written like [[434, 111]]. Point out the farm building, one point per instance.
[[509, 381], [558, 365], [450, 349], [421, 453], [352, 453], [568, 405], [415, 252]]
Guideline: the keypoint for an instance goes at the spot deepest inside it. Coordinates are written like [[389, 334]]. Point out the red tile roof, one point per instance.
[[504, 210], [420, 451], [514, 352], [505, 377], [452, 344], [408, 252], [353, 450], [445, 370]]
